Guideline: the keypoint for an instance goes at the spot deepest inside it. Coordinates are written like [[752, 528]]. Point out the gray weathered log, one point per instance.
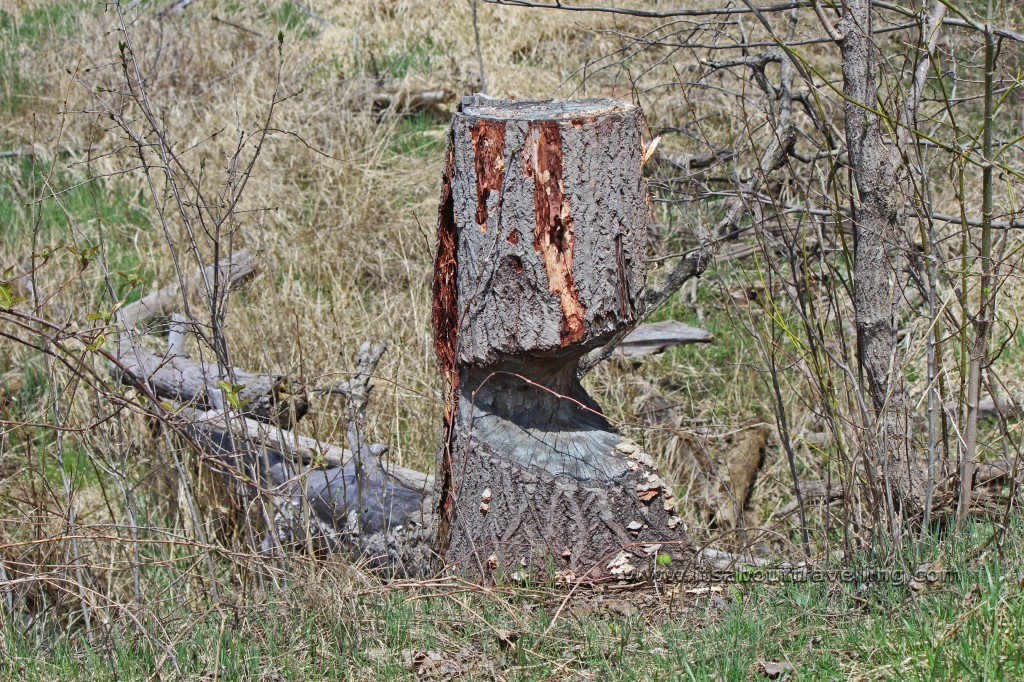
[[332, 498], [268, 397], [405, 100], [830, 492], [541, 258], [1010, 407], [689, 164], [381, 515], [657, 337], [177, 328], [173, 376], [234, 271], [356, 388]]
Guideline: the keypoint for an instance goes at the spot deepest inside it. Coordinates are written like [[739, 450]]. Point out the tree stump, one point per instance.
[[541, 258]]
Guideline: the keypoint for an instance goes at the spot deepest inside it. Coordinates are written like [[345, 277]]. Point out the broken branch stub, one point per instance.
[[541, 258]]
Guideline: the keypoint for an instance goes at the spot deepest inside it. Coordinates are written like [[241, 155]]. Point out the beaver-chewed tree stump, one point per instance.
[[541, 259]]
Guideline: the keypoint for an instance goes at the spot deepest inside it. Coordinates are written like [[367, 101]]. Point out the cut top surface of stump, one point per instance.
[[481, 106]]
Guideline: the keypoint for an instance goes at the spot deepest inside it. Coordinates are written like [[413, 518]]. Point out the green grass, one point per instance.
[[38, 215], [31, 199], [34, 27], [705, 372], [58, 216], [34, 445], [967, 626], [401, 59], [419, 135], [292, 20]]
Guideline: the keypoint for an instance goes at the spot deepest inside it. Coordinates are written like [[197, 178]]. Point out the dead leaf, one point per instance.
[[621, 608], [426, 664], [774, 670], [507, 639], [467, 662]]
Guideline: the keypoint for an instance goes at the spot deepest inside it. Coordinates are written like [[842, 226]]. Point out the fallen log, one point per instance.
[[689, 164], [354, 503], [989, 479], [233, 271], [997, 473], [398, 96], [267, 397], [172, 376], [1010, 406], [729, 482], [333, 498], [657, 337], [405, 100], [830, 492], [336, 499], [312, 453]]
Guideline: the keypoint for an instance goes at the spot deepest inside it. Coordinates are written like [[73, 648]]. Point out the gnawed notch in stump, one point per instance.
[[541, 238]]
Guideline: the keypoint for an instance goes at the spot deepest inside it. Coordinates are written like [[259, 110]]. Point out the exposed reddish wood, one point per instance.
[[446, 333], [445, 311], [489, 152], [553, 237]]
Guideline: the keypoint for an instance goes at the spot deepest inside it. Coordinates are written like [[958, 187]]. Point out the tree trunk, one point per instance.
[[541, 258], [879, 228]]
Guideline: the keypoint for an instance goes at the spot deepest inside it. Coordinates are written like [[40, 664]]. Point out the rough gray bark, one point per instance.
[[541, 238], [879, 226]]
